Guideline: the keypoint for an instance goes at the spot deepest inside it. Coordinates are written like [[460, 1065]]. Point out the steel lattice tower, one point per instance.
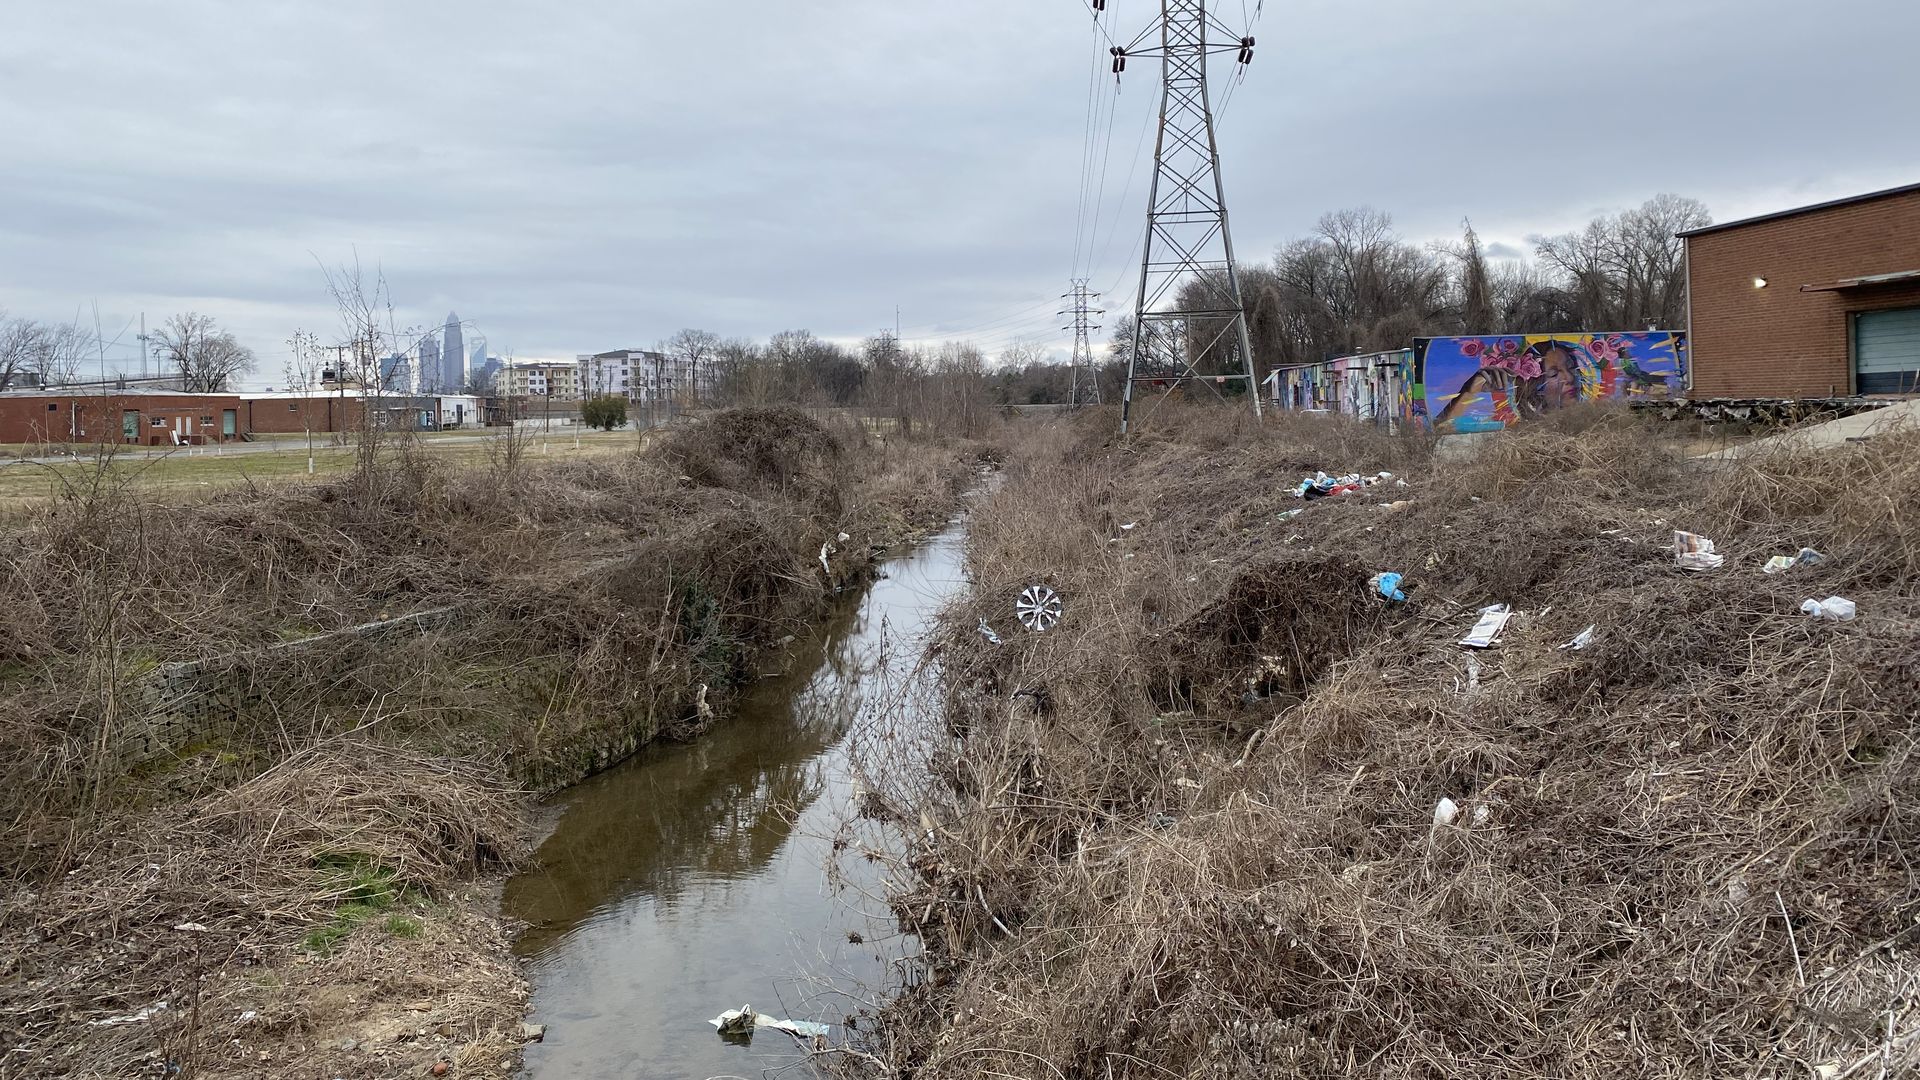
[[1083, 327], [1189, 314]]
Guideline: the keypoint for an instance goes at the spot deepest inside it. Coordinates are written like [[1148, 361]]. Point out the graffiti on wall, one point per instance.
[[1378, 387], [1486, 383]]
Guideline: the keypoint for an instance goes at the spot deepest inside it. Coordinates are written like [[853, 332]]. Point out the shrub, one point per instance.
[[606, 412]]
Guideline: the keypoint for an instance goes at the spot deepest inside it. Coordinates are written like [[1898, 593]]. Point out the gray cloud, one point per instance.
[[597, 175]]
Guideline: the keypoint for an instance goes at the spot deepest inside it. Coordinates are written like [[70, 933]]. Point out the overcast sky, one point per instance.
[[598, 174]]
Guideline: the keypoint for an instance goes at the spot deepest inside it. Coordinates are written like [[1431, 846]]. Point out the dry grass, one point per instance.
[[215, 907], [1191, 832], [326, 834]]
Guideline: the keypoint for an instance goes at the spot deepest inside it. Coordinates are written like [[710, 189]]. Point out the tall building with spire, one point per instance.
[[453, 357]]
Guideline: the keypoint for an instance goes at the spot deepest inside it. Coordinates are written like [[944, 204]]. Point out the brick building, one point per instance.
[[1814, 302], [291, 412], [134, 415]]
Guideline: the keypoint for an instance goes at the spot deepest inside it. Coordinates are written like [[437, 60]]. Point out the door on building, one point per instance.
[[229, 423], [130, 425], [1886, 351]]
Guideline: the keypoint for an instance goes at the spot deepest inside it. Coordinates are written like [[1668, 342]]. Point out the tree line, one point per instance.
[[1356, 286], [190, 348]]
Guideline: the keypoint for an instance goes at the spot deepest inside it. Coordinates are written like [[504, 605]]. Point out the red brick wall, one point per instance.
[[292, 416], [91, 418], [1779, 341]]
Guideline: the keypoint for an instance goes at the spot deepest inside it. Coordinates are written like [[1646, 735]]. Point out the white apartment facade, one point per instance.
[[640, 375]]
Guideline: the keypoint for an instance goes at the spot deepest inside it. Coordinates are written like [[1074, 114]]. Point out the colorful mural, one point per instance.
[[1377, 387], [1486, 383]]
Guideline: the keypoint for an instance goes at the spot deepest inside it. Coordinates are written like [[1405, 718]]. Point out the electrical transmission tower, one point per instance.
[[1083, 326], [1189, 321]]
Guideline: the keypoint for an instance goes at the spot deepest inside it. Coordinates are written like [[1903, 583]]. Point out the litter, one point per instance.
[[1447, 812], [1581, 640], [142, 1016], [1289, 515], [1130, 526], [987, 631], [744, 1021], [1482, 814], [1780, 564], [1486, 632], [1039, 608], [1320, 485], [1691, 551], [1837, 608], [1388, 586], [191, 928]]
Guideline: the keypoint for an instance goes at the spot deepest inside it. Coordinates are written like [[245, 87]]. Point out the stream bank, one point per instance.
[[693, 878], [305, 894]]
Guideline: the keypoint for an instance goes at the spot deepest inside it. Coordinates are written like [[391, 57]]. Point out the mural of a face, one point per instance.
[[1559, 381]]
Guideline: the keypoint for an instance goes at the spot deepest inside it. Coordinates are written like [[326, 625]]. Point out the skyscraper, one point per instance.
[[427, 373], [453, 357], [476, 357]]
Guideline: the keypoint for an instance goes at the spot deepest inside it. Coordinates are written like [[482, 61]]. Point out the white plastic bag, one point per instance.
[[1837, 608]]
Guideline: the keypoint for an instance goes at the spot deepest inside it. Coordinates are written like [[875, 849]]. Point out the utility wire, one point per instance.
[[1087, 148]]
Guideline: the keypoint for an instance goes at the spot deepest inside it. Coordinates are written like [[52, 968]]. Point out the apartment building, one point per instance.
[[537, 378]]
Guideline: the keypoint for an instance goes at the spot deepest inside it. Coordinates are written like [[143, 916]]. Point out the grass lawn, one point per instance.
[[206, 469]]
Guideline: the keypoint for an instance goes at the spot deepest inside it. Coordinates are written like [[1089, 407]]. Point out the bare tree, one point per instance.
[[305, 363], [65, 349], [1628, 270], [20, 343], [1476, 284], [205, 357], [697, 349], [45, 354]]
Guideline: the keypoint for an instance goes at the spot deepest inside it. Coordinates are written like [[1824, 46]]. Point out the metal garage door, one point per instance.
[[1886, 349]]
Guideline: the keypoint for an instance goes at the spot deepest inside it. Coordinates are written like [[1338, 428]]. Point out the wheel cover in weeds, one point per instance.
[[1039, 608]]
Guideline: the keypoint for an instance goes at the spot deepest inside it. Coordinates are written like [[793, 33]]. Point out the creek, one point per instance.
[[694, 878]]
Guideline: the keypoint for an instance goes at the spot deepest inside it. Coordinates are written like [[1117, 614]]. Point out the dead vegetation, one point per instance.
[[174, 940], [1192, 831], [345, 793]]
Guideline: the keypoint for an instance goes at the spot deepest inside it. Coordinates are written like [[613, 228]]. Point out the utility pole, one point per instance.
[[1189, 313], [1083, 326]]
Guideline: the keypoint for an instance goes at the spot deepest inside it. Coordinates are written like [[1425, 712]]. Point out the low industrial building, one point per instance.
[[139, 416], [1819, 301], [291, 412]]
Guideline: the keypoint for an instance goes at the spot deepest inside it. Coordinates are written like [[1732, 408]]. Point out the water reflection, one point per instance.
[[691, 879]]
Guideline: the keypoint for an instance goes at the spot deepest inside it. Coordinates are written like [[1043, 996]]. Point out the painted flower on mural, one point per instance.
[[1506, 355], [1606, 350], [1471, 348]]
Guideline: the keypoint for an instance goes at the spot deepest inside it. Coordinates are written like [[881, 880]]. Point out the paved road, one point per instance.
[[1839, 432]]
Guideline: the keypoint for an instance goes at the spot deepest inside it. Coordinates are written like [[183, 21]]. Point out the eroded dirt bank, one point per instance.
[[1239, 815], [306, 890]]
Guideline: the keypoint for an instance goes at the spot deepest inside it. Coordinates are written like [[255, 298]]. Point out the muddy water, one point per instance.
[[692, 879]]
